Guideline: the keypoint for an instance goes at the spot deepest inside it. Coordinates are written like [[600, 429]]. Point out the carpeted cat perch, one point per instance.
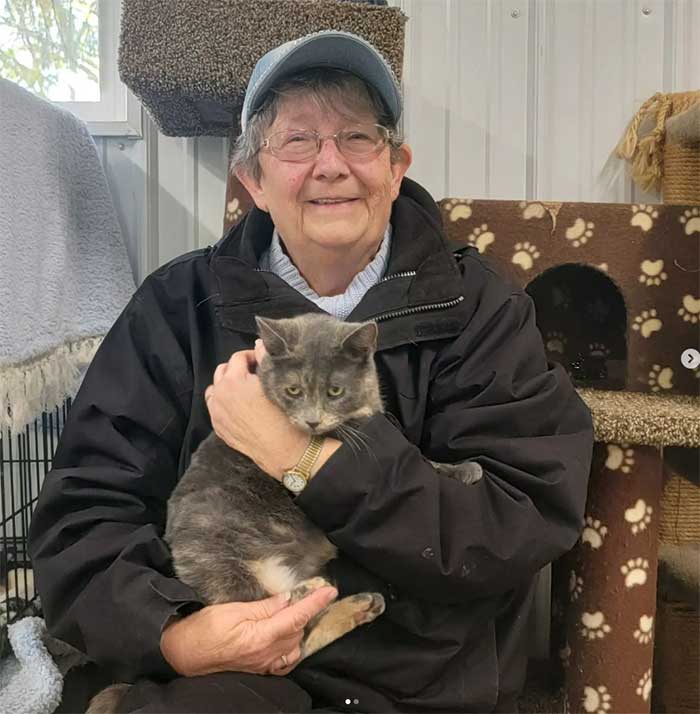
[[189, 62]]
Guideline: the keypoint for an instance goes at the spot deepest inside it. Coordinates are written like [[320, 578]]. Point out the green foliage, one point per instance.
[[40, 37]]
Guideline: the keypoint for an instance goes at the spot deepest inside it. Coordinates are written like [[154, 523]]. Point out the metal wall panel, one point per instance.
[[507, 105], [426, 91], [467, 138]]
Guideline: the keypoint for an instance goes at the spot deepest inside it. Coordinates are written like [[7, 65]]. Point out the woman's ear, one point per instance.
[[399, 168], [254, 188]]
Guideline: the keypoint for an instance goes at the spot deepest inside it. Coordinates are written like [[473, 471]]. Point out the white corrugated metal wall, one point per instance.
[[504, 99], [518, 99]]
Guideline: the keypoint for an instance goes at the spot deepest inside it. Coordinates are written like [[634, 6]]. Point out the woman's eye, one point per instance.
[[293, 391], [300, 138], [335, 391]]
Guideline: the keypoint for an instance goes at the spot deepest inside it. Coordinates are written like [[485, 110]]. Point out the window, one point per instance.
[[66, 51]]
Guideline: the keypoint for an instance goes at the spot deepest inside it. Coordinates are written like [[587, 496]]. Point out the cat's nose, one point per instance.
[[312, 424]]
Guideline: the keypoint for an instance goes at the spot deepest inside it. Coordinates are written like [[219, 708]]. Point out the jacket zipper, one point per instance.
[[408, 310], [404, 274], [419, 308]]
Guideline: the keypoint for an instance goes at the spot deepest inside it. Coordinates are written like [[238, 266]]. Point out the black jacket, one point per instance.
[[464, 376]]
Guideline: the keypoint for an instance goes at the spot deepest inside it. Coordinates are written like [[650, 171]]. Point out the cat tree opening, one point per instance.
[[582, 316]]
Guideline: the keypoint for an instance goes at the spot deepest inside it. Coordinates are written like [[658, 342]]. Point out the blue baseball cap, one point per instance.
[[328, 48]]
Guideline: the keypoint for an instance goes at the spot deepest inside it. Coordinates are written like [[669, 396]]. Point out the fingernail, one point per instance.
[[333, 593], [287, 596]]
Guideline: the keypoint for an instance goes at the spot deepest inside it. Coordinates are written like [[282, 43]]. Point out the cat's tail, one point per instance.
[[108, 700]]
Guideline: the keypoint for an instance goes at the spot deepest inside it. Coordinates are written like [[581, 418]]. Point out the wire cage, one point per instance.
[[25, 459]]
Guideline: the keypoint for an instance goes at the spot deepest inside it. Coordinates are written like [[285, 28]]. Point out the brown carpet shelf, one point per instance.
[[189, 62]]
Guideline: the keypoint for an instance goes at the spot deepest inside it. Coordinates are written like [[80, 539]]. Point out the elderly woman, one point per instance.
[[336, 227]]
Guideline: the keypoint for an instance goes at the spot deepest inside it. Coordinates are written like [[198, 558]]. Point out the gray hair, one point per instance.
[[331, 90]]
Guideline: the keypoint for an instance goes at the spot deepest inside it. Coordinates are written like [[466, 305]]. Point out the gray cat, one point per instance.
[[235, 532]]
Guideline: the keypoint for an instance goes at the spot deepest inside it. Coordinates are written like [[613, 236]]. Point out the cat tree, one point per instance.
[[662, 147], [616, 291]]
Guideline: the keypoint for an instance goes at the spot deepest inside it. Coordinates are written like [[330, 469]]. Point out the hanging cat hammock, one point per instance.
[[189, 62]]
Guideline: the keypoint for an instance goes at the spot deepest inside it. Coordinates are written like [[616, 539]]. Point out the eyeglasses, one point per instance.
[[355, 142]]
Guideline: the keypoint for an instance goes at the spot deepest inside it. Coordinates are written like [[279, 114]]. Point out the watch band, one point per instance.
[[309, 457]]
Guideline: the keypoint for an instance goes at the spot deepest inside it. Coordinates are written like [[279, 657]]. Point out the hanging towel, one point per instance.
[[64, 270]]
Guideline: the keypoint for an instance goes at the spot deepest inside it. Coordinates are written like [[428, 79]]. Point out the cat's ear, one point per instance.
[[361, 342], [272, 336]]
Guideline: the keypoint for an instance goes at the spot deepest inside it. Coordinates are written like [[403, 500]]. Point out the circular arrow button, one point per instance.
[[690, 359]]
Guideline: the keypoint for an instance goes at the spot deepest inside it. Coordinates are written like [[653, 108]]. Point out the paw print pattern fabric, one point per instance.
[[605, 588], [645, 253]]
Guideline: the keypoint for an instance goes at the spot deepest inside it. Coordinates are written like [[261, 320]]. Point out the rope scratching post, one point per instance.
[[662, 145]]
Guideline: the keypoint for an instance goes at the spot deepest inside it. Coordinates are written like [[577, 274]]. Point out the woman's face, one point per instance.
[[288, 190]]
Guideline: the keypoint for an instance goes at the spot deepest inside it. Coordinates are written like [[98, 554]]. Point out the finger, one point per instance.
[[294, 618], [285, 663], [287, 644], [281, 664], [241, 364], [219, 372], [293, 657], [264, 609], [259, 350]]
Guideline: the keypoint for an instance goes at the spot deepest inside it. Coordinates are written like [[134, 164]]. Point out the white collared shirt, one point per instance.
[[276, 261]]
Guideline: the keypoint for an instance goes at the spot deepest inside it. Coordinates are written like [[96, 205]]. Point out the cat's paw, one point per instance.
[[369, 606], [306, 587], [467, 472]]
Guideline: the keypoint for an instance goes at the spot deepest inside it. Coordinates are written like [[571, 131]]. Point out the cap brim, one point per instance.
[[337, 50]]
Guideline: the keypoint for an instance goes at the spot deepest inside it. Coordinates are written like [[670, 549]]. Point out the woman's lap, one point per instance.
[[221, 693]]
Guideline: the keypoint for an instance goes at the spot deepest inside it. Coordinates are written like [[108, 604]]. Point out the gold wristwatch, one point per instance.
[[297, 477]]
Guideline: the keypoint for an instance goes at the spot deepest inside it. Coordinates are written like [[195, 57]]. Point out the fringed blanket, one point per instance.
[[64, 270]]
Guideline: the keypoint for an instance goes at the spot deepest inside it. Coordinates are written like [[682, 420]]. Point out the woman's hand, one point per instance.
[[247, 420], [261, 637]]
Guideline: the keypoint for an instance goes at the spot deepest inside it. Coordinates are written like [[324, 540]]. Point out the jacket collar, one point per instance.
[[421, 272]]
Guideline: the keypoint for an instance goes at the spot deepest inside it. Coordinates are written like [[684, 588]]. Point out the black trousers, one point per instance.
[[241, 693], [221, 693], [236, 693]]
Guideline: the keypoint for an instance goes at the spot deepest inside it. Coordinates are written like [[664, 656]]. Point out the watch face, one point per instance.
[[294, 482]]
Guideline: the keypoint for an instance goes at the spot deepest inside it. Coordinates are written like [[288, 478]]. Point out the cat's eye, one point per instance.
[[293, 391], [335, 391]]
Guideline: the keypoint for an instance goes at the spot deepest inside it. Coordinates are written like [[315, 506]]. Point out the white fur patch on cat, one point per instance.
[[273, 575]]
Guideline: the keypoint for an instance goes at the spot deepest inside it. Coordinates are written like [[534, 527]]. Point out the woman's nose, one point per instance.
[[329, 159]]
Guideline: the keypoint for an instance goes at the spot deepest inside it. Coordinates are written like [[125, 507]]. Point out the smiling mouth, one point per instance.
[[333, 202]]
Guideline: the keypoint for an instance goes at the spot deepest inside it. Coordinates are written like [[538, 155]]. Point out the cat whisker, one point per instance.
[[355, 438], [358, 436], [348, 438]]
